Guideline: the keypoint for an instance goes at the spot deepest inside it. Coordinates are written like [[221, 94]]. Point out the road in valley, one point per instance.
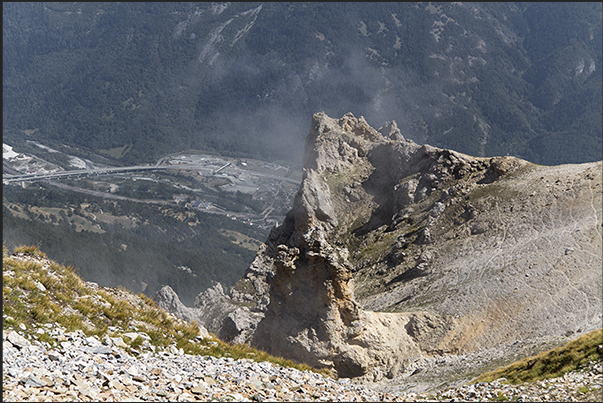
[[8, 178], [240, 174]]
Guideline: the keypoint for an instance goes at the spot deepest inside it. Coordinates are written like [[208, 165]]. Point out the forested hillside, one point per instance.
[[133, 81], [124, 83], [138, 246]]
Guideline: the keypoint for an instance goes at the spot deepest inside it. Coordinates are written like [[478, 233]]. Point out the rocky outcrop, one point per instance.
[[313, 315], [238, 325], [381, 223], [398, 257], [232, 315], [166, 298], [211, 306]]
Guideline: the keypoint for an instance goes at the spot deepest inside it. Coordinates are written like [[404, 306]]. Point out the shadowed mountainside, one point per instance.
[[484, 78]]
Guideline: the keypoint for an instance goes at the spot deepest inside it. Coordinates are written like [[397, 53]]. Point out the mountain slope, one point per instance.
[[135, 81], [396, 256], [91, 343]]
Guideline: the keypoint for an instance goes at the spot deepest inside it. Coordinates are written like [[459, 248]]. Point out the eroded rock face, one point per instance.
[[395, 254], [313, 315], [312, 309], [166, 298], [437, 237], [238, 325]]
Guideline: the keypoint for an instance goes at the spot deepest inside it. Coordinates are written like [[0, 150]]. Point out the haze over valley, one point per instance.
[[401, 193]]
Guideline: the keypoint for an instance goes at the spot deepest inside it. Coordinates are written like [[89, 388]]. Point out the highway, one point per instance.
[[8, 178], [79, 172]]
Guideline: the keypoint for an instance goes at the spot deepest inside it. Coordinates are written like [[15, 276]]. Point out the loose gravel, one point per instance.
[[89, 369]]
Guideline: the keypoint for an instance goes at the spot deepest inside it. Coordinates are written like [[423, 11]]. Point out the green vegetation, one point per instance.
[[117, 152], [28, 250], [553, 363], [135, 245], [100, 76], [37, 291], [500, 397]]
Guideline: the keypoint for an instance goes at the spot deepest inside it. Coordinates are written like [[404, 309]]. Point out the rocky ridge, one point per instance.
[[397, 255]]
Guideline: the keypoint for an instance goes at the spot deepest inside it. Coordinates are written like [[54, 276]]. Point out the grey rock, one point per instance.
[[33, 382], [212, 306], [98, 350], [55, 356], [167, 299], [17, 340], [479, 228], [238, 324]]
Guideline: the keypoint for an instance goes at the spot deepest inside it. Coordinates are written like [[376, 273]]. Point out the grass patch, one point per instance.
[[71, 322], [30, 250], [553, 363], [500, 397], [117, 152], [244, 286], [337, 181], [37, 291]]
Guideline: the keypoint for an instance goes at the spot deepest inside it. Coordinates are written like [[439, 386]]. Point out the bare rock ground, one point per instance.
[[87, 369]]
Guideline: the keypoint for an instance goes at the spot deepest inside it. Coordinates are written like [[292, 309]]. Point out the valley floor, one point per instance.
[[88, 369]]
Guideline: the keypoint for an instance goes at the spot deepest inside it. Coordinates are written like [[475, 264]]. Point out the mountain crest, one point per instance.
[[313, 315], [395, 254]]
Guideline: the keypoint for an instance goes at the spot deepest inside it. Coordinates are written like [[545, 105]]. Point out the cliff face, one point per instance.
[[395, 255], [351, 172]]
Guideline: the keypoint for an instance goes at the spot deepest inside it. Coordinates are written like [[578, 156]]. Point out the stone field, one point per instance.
[[88, 369]]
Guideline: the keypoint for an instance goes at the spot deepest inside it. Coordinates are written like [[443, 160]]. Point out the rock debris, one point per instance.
[[84, 368]]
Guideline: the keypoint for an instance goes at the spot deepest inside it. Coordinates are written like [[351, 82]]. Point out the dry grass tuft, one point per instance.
[[37, 291], [553, 363]]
